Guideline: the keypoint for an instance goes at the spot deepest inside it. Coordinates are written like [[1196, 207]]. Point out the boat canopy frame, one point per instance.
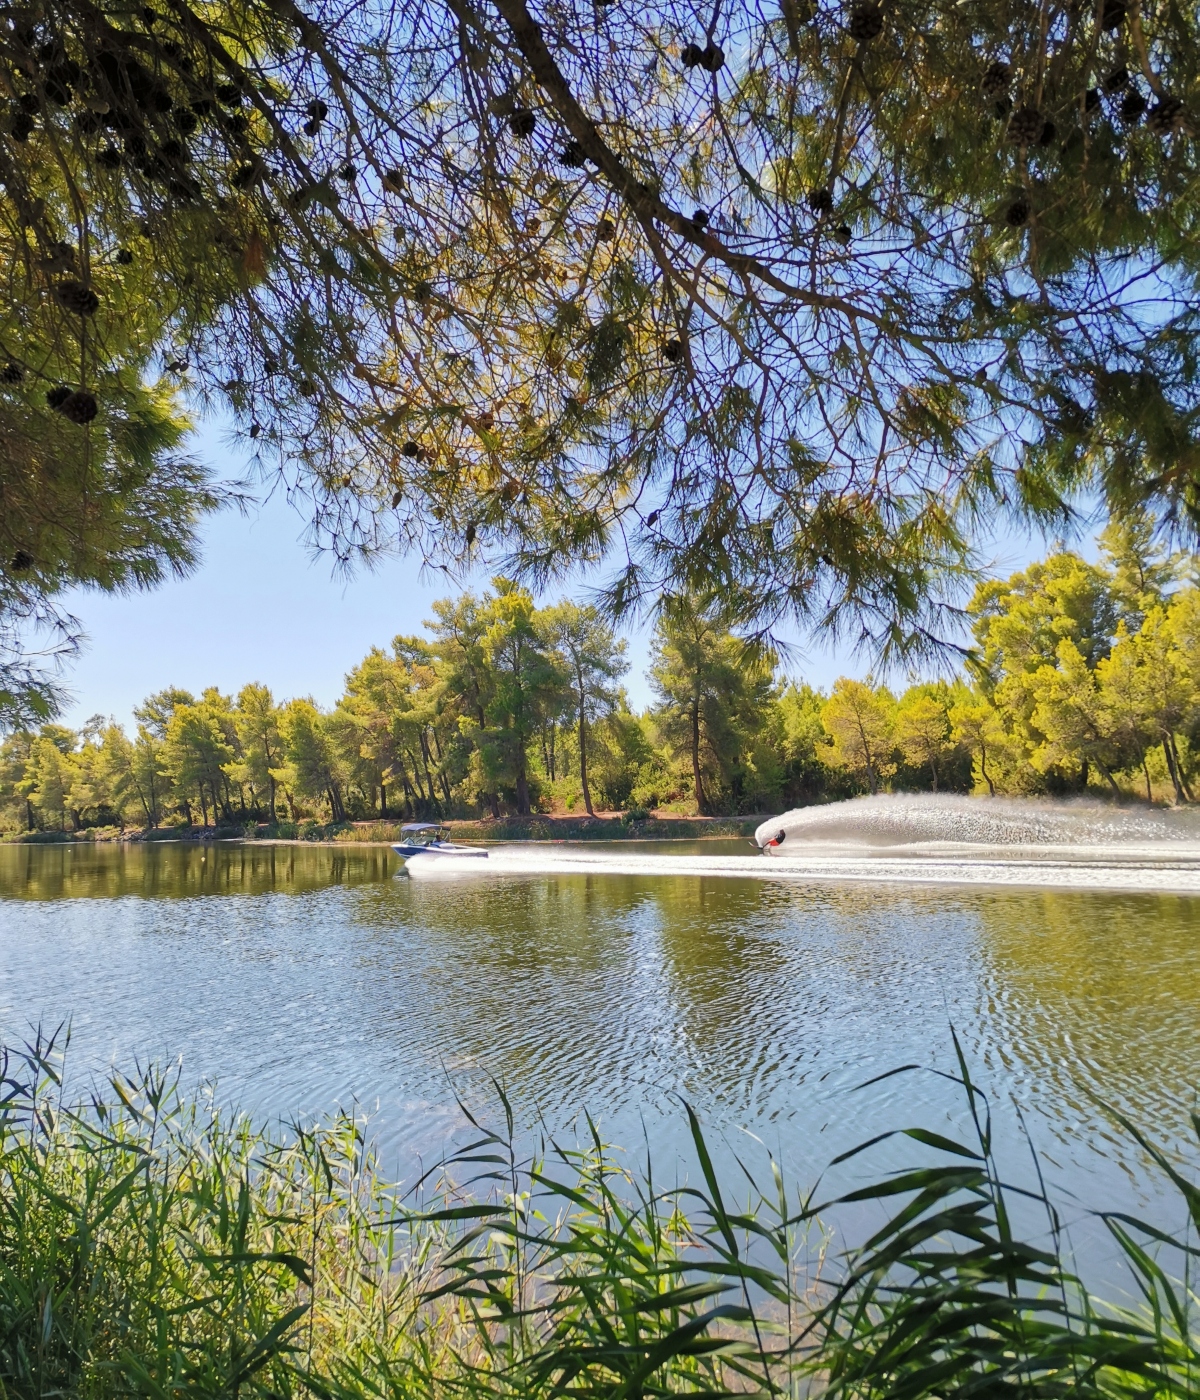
[[423, 826]]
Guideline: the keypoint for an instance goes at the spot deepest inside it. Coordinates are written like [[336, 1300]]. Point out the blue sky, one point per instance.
[[261, 608]]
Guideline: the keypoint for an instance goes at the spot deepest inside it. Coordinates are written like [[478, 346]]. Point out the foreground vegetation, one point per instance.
[[150, 1246], [1081, 675]]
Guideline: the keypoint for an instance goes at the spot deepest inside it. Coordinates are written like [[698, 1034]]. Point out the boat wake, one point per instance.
[[915, 819], [901, 840]]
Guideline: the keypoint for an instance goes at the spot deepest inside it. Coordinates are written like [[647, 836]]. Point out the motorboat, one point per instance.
[[426, 839]]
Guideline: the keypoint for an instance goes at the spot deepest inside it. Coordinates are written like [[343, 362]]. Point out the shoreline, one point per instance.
[[367, 835]]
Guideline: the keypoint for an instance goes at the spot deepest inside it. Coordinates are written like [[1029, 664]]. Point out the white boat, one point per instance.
[[425, 839]]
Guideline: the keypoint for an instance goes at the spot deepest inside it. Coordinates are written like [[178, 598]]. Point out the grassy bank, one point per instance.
[[151, 1247], [535, 828]]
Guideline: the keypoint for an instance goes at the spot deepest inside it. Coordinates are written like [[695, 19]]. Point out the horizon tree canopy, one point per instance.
[[786, 300]]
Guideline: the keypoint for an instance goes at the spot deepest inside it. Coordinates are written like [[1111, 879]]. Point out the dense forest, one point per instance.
[[1081, 677]]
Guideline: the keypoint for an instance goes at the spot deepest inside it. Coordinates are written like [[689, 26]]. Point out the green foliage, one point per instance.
[[1081, 674], [713, 686], [152, 1246], [792, 324]]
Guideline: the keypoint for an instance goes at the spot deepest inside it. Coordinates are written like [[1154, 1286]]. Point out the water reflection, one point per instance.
[[181, 870], [761, 1004]]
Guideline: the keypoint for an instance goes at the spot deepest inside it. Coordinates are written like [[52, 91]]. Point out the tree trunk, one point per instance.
[[522, 785], [491, 798], [933, 771], [583, 778], [383, 812], [408, 795], [697, 779], [1146, 771], [428, 774], [983, 769], [1112, 782], [416, 774], [203, 806], [1183, 782], [1084, 775], [1167, 754], [29, 813]]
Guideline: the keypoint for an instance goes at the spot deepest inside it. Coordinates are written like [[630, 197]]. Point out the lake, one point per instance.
[[298, 978]]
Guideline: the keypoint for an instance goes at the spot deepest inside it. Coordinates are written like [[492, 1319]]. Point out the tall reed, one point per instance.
[[151, 1246]]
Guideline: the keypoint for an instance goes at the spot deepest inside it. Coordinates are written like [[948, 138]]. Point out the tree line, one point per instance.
[[1082, 676]]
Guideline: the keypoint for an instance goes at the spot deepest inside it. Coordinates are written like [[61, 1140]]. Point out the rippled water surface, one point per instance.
[[300, 977]]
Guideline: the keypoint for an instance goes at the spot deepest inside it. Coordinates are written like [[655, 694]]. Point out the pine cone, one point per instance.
[[247, 174], [1113, 14], [21, 561], [843, 234], [866, 22], [21, 126], [692, 55], [1133, 105], [673, 351], [12, 373], [1165, 115], [1025, 125], [996, 80], [1116, 80], [573, 155], [820, 201], [80, 407], [1091, 99], [712, 60], [124, 256], [606, 230], [1048, 132], [74, 297], [410, 449], [522, 123], [1017, 213], [109, 157]]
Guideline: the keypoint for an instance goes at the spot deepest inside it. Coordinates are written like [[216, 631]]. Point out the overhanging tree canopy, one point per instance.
[[782, 301]]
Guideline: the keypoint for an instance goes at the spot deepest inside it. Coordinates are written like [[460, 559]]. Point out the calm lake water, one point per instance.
[[300, 978]]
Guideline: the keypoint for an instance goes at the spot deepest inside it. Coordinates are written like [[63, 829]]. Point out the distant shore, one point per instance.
[[662, 826]]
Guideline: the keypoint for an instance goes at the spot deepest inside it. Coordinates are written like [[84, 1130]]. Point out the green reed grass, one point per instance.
[[151, 1246]]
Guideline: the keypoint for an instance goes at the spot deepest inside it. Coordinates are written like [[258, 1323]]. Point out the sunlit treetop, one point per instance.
[[787, 302]]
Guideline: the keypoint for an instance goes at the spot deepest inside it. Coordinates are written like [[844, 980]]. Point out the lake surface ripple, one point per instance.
[[297, 979]]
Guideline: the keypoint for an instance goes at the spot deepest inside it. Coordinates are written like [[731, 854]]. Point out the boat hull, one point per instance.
[[437, 848]]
